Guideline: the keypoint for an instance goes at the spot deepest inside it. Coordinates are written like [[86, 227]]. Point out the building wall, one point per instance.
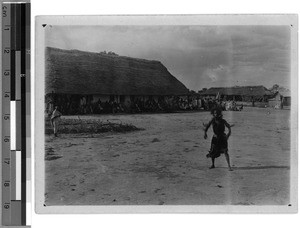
[[287, 101], [126, 99], [155, 98], [103, 98], [275, 102]]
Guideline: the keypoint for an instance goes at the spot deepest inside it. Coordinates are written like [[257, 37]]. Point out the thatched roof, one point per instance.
[[285, 93], [78, 72], [238, 91]]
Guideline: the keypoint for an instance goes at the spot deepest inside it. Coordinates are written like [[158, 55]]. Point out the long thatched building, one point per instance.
[[240, 93], [75, 78]]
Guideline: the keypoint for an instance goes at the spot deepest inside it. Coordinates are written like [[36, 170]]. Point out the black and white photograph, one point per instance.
[[166, 111]]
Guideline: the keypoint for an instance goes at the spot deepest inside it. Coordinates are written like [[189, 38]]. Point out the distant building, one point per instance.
[[280, 100], [286, 101], [250, 94]]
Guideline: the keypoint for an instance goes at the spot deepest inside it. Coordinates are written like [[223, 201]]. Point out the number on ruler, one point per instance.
[[4, 12], [6, 139], [6, 50], [6, 95], [6, 205], [7, 161], [6, 183], [6, 73], [6, 117]]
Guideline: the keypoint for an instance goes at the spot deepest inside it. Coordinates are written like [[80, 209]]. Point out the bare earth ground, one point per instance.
[[165, 164]]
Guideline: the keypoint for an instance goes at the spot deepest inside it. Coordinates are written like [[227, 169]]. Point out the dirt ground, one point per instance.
[[165, 164]]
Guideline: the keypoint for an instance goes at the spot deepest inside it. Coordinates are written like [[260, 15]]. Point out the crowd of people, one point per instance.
[[81, 105], [86, 105], [210, 103]]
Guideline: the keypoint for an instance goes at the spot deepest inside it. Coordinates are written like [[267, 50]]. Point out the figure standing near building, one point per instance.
[[55, 117], [49, 106], [219, 144]]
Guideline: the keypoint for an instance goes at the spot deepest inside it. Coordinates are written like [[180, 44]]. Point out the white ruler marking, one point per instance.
[[12, 125], [18, 175]]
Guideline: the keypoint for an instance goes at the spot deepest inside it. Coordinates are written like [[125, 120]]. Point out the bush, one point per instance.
[[92, 126]]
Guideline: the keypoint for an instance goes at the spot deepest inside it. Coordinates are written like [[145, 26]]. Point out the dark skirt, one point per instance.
[[219, 146]]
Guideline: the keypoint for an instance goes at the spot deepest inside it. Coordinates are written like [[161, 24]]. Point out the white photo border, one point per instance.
[[219, 20]]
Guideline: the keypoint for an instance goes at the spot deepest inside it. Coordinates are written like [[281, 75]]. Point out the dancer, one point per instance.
[[219, 144]]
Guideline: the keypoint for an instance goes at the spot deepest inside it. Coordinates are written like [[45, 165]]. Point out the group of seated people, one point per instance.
[[171, 104], [231, 105], [138, 105]]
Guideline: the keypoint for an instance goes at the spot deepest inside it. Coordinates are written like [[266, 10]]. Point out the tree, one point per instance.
[[275, 88]]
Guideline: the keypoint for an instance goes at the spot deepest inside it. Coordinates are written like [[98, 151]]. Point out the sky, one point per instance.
[[198, 56]]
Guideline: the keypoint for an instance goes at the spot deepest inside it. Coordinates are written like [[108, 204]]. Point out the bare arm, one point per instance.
[[229, 128], [206, 128]]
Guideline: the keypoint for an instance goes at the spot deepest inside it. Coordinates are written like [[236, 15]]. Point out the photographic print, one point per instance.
[[170, 113]]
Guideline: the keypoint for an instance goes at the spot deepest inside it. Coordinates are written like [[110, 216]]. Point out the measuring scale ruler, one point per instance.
[[15, 137]]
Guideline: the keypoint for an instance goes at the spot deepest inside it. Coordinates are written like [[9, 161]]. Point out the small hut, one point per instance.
[[77, 78], [280, 100], [286, 98]]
